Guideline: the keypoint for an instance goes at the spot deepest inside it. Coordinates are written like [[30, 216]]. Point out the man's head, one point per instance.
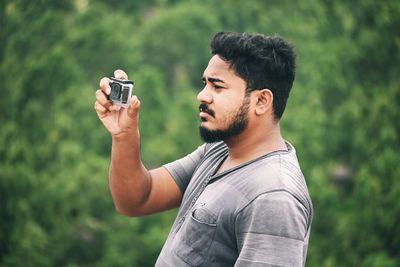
[[246, 71], [264, 62]]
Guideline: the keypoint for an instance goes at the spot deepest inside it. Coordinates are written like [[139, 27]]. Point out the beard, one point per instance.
[[237, 126]]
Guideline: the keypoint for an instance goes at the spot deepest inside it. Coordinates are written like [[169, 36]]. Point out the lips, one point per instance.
[[204, 111], [204, 117]]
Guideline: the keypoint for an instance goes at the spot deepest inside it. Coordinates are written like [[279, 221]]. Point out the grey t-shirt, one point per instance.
[[256, 214]]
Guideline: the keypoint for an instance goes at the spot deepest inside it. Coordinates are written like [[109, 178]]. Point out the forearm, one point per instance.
[[129, 180]]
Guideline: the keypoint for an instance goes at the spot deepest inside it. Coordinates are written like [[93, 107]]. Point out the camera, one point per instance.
[[121, 92]]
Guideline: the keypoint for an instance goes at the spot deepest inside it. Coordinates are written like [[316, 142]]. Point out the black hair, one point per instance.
[[262, 61]]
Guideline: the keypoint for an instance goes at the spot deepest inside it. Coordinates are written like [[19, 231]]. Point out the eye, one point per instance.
[[218, 86]]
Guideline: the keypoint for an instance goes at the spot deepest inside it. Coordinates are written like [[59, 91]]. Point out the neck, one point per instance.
[[254, 143]]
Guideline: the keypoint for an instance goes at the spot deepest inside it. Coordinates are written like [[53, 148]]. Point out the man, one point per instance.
[[242, 196]]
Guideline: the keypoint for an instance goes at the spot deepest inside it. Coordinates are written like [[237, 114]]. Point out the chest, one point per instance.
[[206, 230]]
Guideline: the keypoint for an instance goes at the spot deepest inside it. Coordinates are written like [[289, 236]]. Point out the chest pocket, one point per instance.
[[196, 236]]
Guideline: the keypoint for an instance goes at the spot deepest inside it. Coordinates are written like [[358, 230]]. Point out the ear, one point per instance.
[[264, 101]]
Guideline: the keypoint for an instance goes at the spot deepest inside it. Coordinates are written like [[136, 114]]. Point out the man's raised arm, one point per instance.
[[135, 190]]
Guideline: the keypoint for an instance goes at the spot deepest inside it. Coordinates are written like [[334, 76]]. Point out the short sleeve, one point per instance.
[[182, 169], [272, 230]]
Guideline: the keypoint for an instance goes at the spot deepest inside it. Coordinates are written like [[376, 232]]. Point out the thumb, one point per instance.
[[133, 109], [120, 74]]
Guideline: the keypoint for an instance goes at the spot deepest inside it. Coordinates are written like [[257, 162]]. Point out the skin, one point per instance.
[[137, 191]]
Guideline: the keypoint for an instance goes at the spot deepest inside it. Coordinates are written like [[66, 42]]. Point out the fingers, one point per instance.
[[120, 74], [101, 110], [134, 107], [102, 99], [105, 85], [102, 104]]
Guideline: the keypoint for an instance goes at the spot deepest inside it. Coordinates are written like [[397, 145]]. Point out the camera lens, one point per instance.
[[115, 90]]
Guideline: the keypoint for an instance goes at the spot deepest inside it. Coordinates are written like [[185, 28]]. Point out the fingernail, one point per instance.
[[108, 90]]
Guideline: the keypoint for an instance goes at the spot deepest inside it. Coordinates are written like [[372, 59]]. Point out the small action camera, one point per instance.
[[121, 92]]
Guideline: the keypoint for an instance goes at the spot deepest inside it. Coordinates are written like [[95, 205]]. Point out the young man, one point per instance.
[[242, 196]]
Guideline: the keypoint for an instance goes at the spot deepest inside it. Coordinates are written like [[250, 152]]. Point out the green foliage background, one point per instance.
[[343, 117]]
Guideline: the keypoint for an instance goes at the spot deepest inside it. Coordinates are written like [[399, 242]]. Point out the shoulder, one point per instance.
[[276, 179], [275, 172]]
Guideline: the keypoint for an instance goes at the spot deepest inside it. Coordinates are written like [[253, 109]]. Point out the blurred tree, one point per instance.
[[176, 39], [360, 97], [100, 40], [30, 65]]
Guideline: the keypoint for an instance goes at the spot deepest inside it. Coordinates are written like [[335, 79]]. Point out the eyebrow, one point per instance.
[[213, 80]]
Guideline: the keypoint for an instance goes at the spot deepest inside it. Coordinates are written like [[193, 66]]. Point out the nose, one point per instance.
[[205, 96]]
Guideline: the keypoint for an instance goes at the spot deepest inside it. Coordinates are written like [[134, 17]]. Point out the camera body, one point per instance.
[[121, 92]]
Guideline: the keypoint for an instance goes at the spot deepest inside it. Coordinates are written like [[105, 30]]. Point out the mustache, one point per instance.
[[204, 108]]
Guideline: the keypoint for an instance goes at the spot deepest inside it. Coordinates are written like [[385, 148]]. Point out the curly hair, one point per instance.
[[262, 61]]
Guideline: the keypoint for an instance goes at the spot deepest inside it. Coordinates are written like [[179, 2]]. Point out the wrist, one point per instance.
[[125, 136]]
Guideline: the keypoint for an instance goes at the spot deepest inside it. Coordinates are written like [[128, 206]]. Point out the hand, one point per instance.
[[117, 120]]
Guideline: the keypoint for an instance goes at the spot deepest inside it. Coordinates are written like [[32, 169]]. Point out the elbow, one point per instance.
[[128, 212], [125, 212]]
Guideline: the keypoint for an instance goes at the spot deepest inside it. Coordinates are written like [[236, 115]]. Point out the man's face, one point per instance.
[[223, 103]]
